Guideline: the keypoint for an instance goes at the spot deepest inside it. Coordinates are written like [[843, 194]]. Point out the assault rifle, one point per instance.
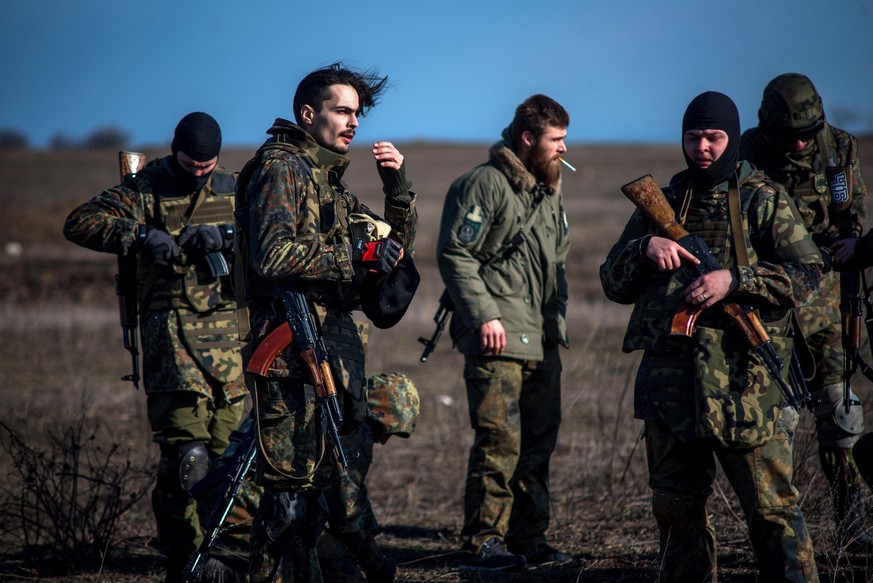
[[851, 297], [125, 280], [300, 329], [445, 306], [231, 476], [647, 196]]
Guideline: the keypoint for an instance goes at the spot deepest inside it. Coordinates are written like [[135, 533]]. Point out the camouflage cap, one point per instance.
[[791, 102], [392, 403]]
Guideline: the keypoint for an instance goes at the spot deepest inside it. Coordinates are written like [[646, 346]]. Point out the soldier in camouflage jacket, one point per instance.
[[171, 214], [794, 144], [296, 216], [708, 397]]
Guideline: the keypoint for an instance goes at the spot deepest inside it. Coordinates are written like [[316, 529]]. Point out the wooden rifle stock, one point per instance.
[[645, 193]]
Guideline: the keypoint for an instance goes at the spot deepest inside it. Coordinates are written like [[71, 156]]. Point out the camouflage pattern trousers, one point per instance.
[[515, 410], [681, 475], [293, 468], [179, 418]]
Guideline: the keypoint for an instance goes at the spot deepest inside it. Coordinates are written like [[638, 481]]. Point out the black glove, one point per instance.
[[159, 244], [199, 240], [379, 256], [827, 257]]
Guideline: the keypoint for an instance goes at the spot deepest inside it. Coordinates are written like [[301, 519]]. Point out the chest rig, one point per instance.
[[807, 184], [191, 286]]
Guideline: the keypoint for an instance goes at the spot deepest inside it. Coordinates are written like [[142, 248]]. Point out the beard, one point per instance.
[[545, 167]]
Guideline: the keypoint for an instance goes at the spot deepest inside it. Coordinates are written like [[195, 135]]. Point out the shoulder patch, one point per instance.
[[470, 228]]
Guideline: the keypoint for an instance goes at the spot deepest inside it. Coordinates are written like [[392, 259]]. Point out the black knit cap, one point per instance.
[[713, 111], [386, 302], [198, 136]]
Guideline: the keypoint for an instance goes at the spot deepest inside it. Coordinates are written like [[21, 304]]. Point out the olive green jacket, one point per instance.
[[526, 290]]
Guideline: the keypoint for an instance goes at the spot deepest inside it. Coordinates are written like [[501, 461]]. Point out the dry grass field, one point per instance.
[[61, 361]]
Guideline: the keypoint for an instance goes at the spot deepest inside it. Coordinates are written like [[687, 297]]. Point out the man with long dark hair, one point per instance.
[[297, 222]]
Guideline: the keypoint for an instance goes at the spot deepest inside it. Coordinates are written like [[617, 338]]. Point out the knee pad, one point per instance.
[[836, 428], [193, 464]]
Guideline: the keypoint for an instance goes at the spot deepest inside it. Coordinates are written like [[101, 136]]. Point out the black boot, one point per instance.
[[376, 565]]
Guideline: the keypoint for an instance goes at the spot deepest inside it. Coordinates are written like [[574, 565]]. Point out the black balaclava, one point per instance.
[[199, 137], [713, 111]]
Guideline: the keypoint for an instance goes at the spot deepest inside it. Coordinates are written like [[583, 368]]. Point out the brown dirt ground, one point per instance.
[[61, 359]]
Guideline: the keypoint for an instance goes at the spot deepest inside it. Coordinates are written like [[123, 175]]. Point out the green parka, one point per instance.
[[526, 290]]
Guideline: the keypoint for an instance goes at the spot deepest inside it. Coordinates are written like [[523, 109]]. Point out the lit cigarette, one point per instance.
[[567, 164]]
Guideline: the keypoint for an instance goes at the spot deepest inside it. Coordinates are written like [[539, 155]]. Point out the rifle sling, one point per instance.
[[509, 246], [737, 232]]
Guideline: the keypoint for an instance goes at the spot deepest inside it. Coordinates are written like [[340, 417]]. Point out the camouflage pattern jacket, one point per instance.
[[735, 400], [188, 322], [526, 291], [294, 214], [803, 177], [785, 264]]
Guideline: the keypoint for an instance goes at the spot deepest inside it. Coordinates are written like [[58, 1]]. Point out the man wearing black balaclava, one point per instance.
[[176, 216], [705, 396]]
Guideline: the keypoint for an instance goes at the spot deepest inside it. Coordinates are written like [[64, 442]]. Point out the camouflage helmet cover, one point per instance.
[[392, 403], [791, 102]]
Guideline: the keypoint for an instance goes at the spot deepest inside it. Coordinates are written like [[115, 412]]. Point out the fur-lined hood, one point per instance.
[[504, 158]]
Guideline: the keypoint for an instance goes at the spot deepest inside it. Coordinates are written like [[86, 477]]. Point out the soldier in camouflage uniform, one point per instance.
[[708, 396], [510, 301], [348, 545], [295, 216], [793, 144], [173, 213]]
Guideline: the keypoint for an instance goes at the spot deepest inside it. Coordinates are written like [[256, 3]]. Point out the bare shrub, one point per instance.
[[62, 504]]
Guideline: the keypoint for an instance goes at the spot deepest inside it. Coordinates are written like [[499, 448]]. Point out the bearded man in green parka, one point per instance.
[[501, 251]]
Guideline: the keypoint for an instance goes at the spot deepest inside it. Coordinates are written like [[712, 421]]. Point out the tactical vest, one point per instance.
[[709, 219], [324, 218], [205, 305], [188, 286], [806, 184]]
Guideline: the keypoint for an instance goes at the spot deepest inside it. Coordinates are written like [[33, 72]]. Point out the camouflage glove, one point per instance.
[[199, 240], [159, 245], [379, 256]]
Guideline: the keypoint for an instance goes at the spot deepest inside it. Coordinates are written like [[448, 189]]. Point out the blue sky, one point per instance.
[[624, 70]]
